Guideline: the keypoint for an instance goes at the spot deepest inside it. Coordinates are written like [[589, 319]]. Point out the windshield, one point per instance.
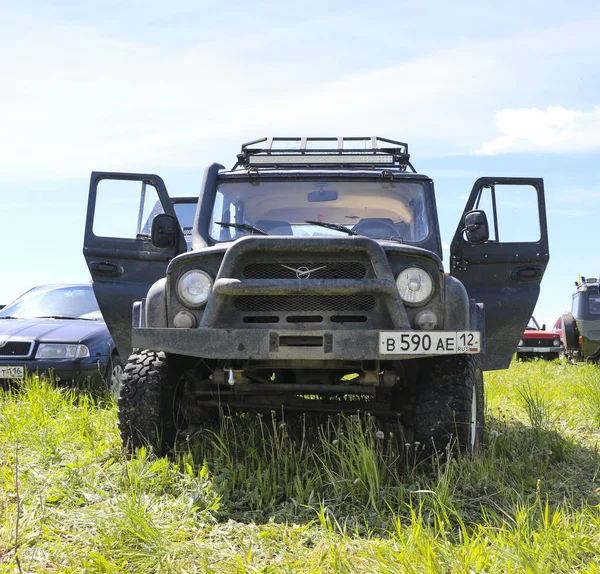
[[533, 325], [74, 302], [377, 209]]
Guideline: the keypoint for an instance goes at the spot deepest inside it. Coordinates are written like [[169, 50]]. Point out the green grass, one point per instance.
[[338, 495]]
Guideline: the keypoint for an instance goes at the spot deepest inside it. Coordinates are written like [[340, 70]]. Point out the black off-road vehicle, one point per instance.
[[314, 283]]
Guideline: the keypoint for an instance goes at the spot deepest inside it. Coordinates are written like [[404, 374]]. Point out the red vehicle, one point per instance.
[[558, 329], [537, 342]]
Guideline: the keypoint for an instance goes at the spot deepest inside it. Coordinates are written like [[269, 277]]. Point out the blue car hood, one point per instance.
[[51, 330]]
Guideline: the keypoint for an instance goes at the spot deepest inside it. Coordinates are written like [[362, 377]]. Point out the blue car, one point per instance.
[[58, 330]]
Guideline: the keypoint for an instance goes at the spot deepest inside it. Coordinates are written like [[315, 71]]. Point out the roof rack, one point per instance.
[[325, 152], [585, 281]]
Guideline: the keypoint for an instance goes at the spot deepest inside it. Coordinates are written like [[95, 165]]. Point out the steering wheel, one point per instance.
[[376, 228]]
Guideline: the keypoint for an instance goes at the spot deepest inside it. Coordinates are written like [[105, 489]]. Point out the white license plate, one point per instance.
[[12, 372], [429, 342]]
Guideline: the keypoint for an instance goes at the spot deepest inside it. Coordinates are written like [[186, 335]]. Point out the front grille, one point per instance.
[[538, 343], [15, 349], [304, 303], [322, 270]]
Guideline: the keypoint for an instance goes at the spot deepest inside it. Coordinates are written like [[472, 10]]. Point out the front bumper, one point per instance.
[[84, 370], [540, 349], [266, 344]]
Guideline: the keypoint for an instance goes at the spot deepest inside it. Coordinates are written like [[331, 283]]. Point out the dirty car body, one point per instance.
[[315, 282]]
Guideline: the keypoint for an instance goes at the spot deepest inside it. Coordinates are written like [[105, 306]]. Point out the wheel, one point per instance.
[[570, 335], [449, 404], [113, 375], [147, 405]]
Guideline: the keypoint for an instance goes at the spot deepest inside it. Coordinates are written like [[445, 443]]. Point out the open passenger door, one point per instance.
[[122, 259], [499, 253]]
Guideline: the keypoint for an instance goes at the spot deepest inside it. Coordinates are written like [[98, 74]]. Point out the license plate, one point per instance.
[[429, 343], [12, 372]]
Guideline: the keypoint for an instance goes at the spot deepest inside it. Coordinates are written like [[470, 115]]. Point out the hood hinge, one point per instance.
[[459, 264]]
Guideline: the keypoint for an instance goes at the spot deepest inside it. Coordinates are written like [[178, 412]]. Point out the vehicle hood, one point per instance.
[[50, 330], [533, 334]]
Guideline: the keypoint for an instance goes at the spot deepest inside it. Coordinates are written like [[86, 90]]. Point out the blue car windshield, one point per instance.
[[379, 209], [72, 302]]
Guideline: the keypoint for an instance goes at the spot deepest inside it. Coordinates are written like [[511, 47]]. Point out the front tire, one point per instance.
[[147, 403], [449, 406]]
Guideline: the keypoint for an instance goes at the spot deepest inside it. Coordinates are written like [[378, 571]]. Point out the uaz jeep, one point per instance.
[[314, 283], [581, 327]]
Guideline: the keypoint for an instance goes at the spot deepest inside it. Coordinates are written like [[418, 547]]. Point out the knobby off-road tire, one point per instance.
[[449, 404], [147, 403]]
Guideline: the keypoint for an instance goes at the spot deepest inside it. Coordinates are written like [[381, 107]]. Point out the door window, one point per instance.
[[186, 213], [125, 209], [512, 212]]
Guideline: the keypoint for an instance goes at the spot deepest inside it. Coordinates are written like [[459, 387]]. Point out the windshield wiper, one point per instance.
[[335, 226], [9, 317], [243, 227]]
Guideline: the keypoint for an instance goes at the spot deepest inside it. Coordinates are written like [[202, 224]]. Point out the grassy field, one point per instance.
[[259, 495]]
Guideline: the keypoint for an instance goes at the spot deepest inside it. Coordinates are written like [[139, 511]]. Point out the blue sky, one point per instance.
[[475, 88]]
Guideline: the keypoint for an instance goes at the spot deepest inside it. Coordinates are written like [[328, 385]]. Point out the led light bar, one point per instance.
[[306, 152], [329, 159]]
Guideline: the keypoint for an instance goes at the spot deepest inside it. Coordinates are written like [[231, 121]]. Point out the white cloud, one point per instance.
[[555, 129], [118, 105], [77, 99]]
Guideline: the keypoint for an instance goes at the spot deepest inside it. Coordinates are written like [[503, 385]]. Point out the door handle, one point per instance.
[[529, 273], [106, 269]]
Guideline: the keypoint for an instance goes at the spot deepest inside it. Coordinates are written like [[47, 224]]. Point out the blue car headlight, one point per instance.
[[61, 351]]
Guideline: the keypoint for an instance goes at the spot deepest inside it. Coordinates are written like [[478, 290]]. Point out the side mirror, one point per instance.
[[476, 227], [544, 327], [164, 231]]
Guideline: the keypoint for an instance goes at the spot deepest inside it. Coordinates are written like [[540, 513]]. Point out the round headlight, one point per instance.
[[194, 287], [415, 285]]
